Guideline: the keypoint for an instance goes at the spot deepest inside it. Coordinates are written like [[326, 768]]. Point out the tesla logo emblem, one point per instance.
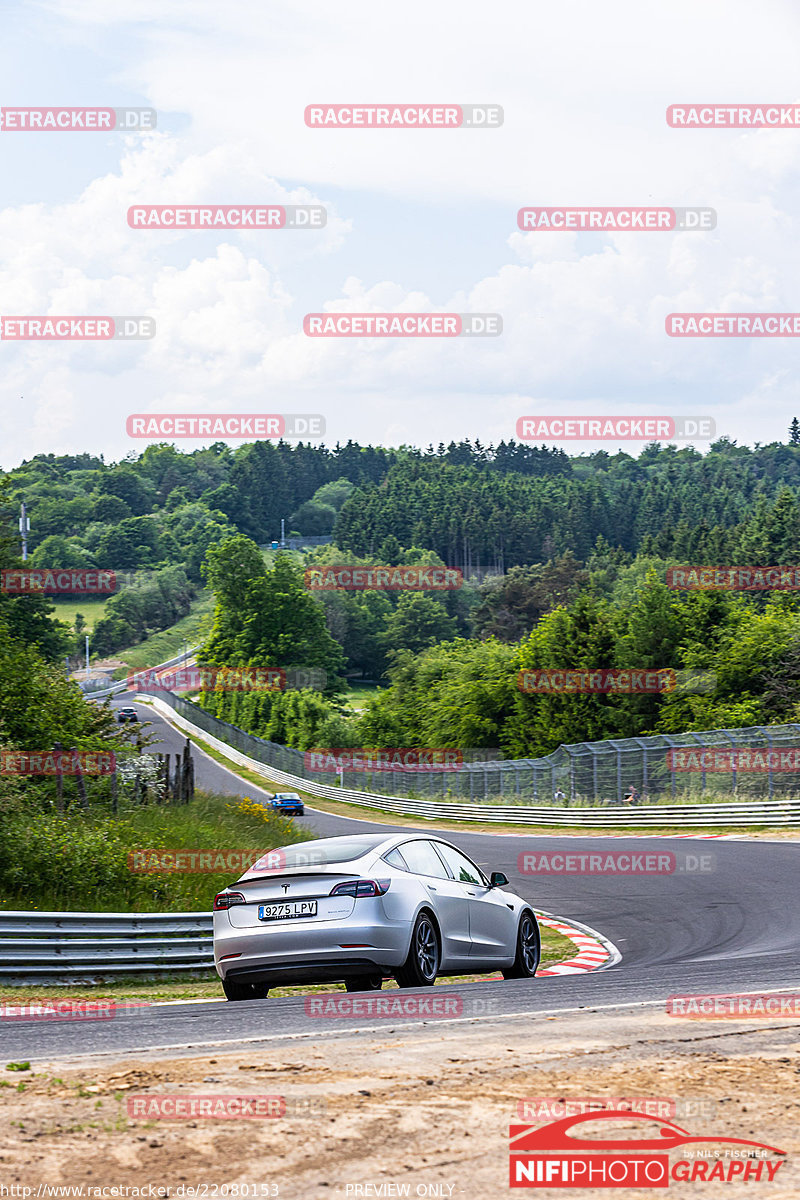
[[285, 886]]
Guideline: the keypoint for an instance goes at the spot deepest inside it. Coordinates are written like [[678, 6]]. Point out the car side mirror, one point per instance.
[[498, 879]]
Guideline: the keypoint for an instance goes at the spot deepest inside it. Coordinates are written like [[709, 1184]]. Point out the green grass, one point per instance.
[[74, 862], [92, 611], [297, 556], [357, 697], [165, 645]]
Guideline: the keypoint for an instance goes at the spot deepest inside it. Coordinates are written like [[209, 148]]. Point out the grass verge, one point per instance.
[[169, 642], [78, 862]]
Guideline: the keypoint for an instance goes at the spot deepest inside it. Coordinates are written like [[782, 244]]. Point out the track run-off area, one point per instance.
[[725, 920]]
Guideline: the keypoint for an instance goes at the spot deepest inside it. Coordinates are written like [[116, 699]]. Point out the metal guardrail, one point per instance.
[[122, 684], [663, 768], [738, 814], [47, 946]]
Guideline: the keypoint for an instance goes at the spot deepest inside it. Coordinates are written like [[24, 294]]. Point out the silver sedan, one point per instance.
[[361, 908]]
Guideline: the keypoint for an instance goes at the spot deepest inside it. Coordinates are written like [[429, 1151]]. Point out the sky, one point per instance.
[[418, 220]]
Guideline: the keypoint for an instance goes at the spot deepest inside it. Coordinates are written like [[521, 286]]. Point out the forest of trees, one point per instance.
[[565, 562], [478, 508]]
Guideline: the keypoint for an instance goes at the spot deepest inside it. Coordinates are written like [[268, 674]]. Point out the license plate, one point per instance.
[[286, 909]]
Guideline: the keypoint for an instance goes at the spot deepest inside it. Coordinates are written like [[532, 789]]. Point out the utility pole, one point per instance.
[[87, 656], [283, 534], [24, 529]]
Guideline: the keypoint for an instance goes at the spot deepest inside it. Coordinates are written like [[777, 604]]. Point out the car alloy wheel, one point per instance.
[[422, 965], [528, 953]]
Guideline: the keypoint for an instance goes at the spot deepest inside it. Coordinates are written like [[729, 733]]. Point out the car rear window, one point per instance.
[[324, 851]]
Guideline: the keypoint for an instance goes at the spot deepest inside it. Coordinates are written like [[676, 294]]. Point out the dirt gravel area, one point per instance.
[[421, 1110]]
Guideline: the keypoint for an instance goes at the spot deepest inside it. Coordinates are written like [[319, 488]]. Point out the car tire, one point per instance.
[[364, 983], [235, 990], [529, 949], [422, 964]]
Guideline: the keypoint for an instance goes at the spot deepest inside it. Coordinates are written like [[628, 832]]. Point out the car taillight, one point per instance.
[[362, 887], [227, 899]]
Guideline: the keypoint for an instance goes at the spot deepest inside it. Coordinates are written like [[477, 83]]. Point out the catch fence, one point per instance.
[[755, 763]]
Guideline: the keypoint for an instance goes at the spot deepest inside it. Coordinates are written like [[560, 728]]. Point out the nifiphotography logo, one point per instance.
[[552, 1156]]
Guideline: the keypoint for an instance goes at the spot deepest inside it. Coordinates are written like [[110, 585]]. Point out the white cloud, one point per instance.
[[584, 89]]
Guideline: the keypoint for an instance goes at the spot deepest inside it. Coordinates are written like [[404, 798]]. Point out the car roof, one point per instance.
[[375, 841]]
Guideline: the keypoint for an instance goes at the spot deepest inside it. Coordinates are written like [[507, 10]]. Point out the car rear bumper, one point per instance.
[[306, 972], [304, 953]]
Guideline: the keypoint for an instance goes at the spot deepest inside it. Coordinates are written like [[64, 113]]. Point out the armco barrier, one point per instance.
[[44, 946], [583, 775], [768, 812], [122, 684]]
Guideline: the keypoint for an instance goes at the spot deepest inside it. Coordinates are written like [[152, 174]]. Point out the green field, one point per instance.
[[92, 610], [357, 697]]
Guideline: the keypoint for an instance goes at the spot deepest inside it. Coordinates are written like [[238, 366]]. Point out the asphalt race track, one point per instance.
[[732, 927]]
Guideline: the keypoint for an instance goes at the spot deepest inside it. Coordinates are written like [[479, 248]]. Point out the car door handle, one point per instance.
[[430, 887]]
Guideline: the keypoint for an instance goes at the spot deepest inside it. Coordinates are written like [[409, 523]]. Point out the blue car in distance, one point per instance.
[[288, 803]]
